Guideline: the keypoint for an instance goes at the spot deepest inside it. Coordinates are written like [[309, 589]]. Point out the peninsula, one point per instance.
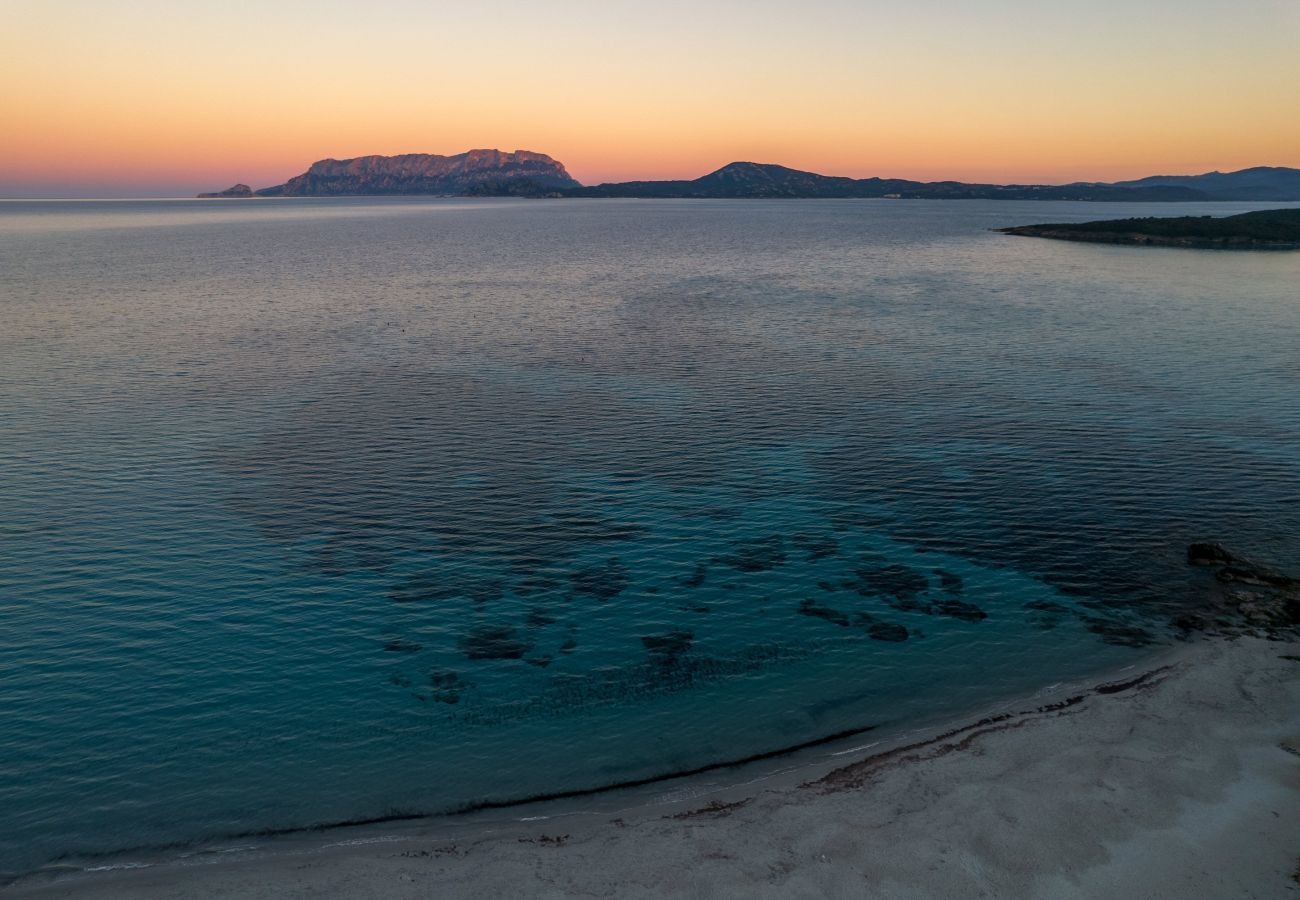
[[1272, 229]]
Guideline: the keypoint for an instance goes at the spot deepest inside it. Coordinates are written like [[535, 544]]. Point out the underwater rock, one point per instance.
[[399, 645], [348, 552], [1248, 598], [567, 693], [1209, 554], [538, 583], [816, 546], [494, 642], [950, 581], [485, 591], [604, 582], [1247, 573], [887, 631], [569, 646], [960, 609], [899, 586], [810, 608], [1122, 634], [827, 586], [447, 685], [539, 618], [420, 588], [696, 578], [1046, 614], [433, 586], [663, 649], [540, 662], [756, 554]]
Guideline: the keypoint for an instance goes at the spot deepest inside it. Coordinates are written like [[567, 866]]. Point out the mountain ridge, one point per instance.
[[746, 180], [1255, 183], [524, 173]]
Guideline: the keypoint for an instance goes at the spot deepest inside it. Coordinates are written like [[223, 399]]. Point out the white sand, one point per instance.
[[1179, 787]]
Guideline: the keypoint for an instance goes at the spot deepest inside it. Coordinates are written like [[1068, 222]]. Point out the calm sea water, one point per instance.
[[320, 510]]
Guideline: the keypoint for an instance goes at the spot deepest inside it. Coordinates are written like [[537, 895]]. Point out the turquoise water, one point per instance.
[[325, 510]]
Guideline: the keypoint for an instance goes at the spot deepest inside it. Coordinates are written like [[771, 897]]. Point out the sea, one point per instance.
[[325, 510]]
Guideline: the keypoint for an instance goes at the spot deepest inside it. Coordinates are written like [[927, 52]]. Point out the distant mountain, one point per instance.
[[1260, 183], [757, 180], [426, 173], [238, 192], [495, 173]]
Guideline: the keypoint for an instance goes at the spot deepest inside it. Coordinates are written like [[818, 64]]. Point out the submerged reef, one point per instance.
[[665, 649], [673, 665], [494, 642], [603, 582], [905, 589], [887, 631], [816, 546], [446, 686], [816, 610], [756, 554], [428, 587]]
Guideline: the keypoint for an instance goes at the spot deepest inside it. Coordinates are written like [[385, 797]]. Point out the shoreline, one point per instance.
[[1247, 686]]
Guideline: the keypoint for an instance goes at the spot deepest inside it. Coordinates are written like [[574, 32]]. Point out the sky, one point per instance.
[[154, 98]]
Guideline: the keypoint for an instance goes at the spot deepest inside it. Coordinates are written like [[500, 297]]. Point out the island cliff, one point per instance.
[[474, 172]]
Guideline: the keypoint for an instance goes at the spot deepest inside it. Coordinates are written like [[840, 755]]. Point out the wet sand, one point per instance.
[[1179, 779]]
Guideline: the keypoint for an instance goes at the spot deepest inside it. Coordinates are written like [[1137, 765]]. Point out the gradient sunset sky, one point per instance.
[[118, 98]]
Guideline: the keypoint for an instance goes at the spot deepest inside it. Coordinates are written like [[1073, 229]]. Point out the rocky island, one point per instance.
[[1272, 229], [476, 172], [237, 192]]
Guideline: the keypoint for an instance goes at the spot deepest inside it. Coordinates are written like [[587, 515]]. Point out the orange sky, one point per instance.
[[148, 97]]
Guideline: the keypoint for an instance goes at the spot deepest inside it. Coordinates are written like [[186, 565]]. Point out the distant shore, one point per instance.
[[1177, 778]]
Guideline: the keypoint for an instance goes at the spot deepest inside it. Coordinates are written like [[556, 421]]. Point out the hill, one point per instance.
[[1268, 183], [749, 180]]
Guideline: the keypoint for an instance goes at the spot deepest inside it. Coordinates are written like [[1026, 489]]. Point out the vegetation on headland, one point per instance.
[[1271, 229]]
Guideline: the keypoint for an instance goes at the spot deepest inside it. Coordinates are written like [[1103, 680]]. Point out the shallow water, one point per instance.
[[320, 510]]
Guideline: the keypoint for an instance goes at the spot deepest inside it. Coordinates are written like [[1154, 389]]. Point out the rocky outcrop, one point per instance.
[[476, 172], [1246, 598], [238, 192]]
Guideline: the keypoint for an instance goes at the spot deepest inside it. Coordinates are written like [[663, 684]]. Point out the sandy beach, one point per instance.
[[1174, 780]]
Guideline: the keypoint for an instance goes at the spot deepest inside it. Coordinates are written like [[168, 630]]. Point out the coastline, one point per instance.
[[1174, 776]]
